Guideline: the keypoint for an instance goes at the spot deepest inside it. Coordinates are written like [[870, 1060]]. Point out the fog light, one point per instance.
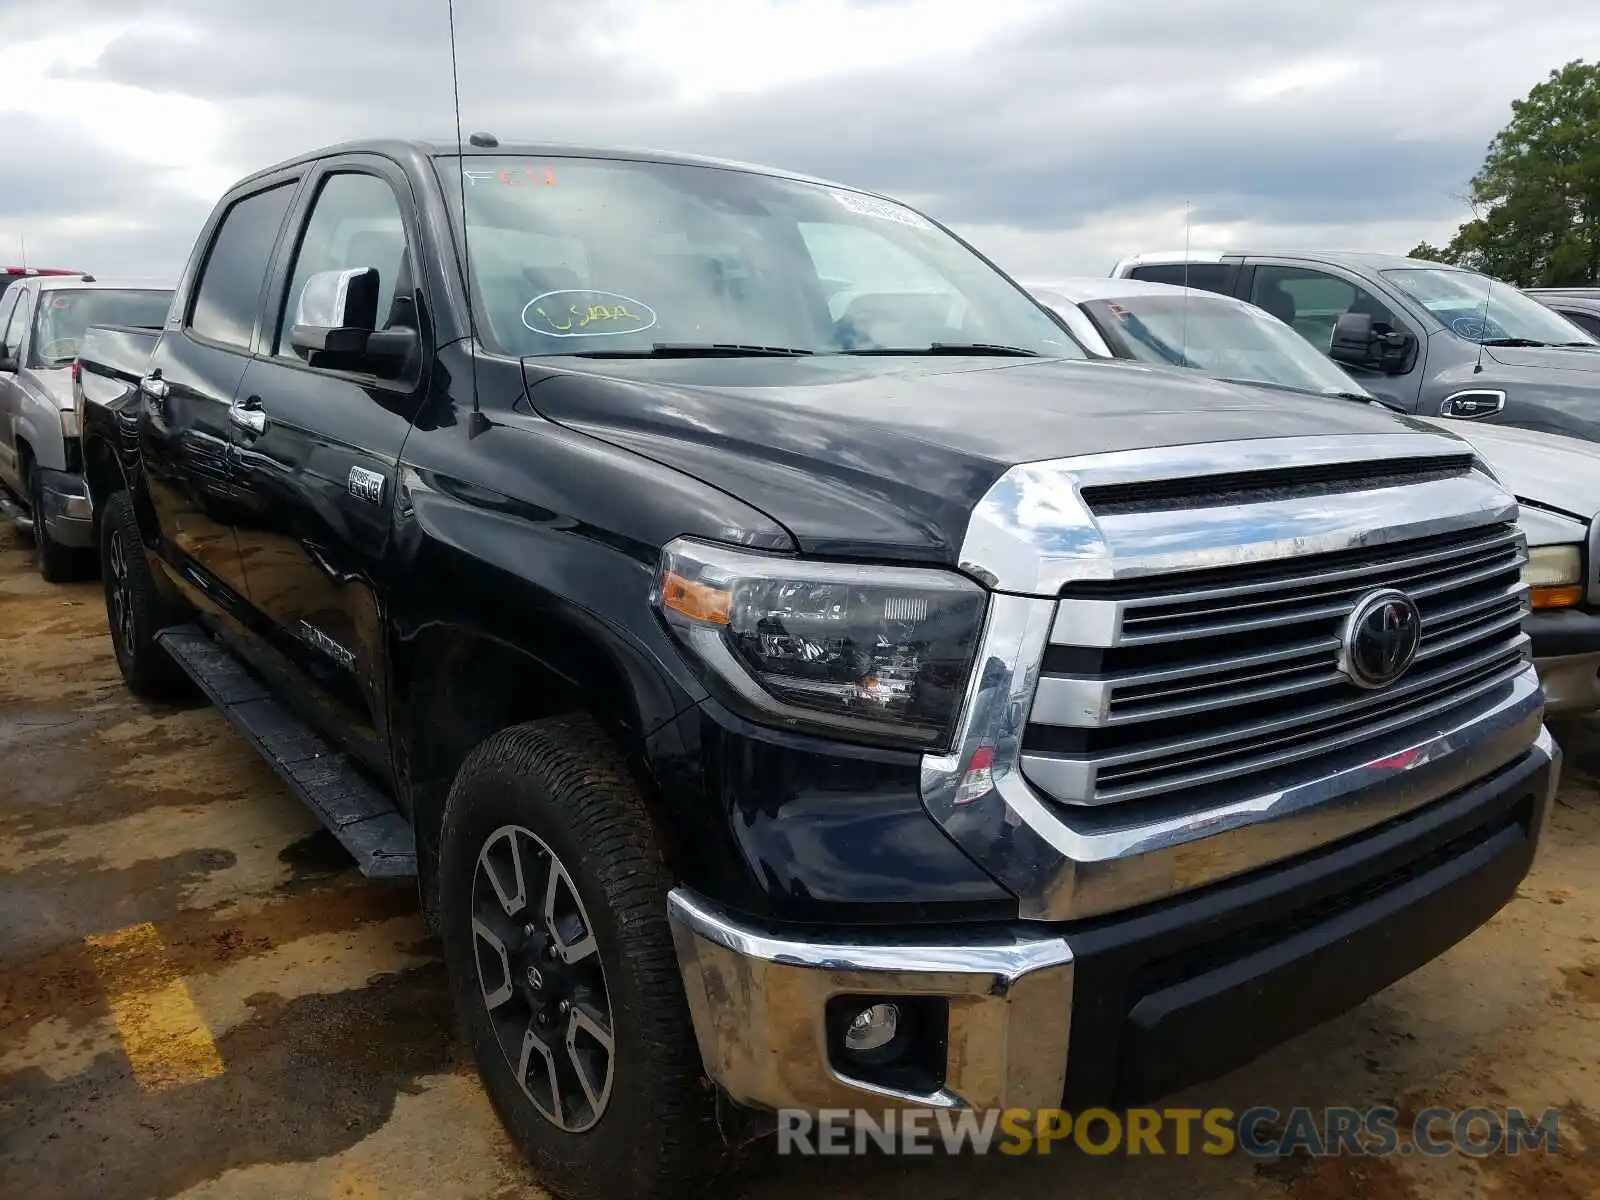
[[872, 1028]]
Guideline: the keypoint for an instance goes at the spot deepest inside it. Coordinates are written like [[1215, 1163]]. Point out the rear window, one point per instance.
[[64, 315], [1211, 277]]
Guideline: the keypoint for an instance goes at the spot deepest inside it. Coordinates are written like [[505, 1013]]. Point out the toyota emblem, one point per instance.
[[1380, 638]]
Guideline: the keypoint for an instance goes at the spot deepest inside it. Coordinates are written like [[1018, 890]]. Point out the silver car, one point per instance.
[[1556, 479], [42, 321]]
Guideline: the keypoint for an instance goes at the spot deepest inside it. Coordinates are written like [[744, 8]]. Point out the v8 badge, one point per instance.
[[365, 485]]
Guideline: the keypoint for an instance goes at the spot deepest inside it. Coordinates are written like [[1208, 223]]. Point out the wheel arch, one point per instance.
[[455, 685]]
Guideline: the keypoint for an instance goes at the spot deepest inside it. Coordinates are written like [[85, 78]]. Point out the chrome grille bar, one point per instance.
[[1191, 706], [1055, 776]]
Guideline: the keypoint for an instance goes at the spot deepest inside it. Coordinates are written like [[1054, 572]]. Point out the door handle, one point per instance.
[[248, 415]]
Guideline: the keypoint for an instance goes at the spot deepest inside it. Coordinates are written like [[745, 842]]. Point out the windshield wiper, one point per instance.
[[975, 348], [1512, 341], [698, 350]]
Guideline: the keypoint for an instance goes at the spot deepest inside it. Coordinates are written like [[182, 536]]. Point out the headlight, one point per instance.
[[1554, 575], [878, 654]]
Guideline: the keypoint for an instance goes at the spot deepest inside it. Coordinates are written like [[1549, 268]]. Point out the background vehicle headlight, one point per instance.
[[1554, 575], [879, 654]]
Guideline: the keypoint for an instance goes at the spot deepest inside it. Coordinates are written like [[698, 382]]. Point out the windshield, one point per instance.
[[576, 255], [65, 315], [1234, 341], [1480, 309]]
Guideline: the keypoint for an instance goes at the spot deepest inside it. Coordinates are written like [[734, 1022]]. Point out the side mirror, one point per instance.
[[8, 360], [1352, 339], [1357, 343], [335, 324]]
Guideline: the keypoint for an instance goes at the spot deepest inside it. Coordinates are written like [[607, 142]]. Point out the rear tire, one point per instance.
[[548, 800], [135, 609]]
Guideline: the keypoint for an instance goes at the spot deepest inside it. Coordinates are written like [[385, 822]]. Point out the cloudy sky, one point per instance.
[[1056, 134]]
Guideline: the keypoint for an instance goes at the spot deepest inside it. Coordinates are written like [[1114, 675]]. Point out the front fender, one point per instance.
[[40, 429]]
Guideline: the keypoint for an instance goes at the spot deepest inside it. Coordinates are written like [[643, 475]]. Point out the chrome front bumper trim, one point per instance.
[[758, 1001], [1571, 682]]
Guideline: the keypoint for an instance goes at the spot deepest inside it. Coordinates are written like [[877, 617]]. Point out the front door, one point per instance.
[[318, 472], [14, 311], [185, 423], [1310, 299]]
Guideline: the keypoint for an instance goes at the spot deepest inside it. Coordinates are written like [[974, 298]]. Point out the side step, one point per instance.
[[355, 811], [13, 511]]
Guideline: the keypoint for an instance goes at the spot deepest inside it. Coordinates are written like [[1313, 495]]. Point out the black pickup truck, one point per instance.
[[786, 661]]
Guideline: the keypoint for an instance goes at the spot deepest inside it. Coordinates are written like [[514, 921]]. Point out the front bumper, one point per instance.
[[68, 515], [1566, 651], [1124, 1008]]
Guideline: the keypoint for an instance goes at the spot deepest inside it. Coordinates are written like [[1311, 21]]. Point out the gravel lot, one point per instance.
[[154, 876]]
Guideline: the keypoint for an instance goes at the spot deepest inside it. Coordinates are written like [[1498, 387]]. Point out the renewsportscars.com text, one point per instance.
[[1260, 1132]]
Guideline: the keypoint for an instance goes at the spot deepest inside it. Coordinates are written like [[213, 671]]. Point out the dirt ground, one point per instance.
[[199, 997]]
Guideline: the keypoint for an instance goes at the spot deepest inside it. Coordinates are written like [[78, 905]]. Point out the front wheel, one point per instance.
[[553, 903], [55, 562]]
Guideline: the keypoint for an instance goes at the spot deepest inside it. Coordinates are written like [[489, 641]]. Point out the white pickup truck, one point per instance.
[[42, 320]]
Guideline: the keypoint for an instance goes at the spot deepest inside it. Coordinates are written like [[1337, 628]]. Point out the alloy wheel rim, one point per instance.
[[121, 601], [541, 979]]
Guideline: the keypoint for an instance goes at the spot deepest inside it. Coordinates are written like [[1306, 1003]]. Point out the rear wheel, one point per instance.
[[135, 610], [553, 908]]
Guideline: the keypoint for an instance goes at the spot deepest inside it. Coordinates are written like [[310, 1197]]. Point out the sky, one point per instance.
[[1056, 135]]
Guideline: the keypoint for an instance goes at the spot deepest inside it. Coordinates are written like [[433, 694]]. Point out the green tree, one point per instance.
[[1536, 199], [1430, 252]]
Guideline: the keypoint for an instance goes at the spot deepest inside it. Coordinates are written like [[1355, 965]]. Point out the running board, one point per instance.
[[18, 516], [354, 810]]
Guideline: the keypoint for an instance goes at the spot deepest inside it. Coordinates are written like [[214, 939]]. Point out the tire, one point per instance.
[[56, 563], [556, 790], [135, 610]]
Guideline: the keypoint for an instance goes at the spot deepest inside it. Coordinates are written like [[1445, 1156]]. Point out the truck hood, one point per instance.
[[1548, 358], [1542, 468], [887, 457], [54, 382]]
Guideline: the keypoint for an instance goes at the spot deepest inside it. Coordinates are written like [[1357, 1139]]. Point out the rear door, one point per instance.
[[185, 426], [319, 476]]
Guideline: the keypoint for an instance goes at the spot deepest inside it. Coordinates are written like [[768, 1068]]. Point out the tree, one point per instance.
[[1536, 199], [1429, 252]]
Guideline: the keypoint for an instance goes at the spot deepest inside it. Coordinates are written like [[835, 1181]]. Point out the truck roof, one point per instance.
[[1368, 259], [1082, 288], [416, 150], [80, 283]]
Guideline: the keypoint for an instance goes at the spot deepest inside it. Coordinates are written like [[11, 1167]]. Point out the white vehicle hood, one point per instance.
[[1541, 468]]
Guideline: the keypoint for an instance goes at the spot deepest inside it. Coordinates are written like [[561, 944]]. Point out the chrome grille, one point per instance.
[[1198, 680]]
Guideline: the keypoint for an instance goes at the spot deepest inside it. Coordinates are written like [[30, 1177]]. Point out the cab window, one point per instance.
[[1310, 301], [355, 223], [8, 305], [228, 293], [16, 328]]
